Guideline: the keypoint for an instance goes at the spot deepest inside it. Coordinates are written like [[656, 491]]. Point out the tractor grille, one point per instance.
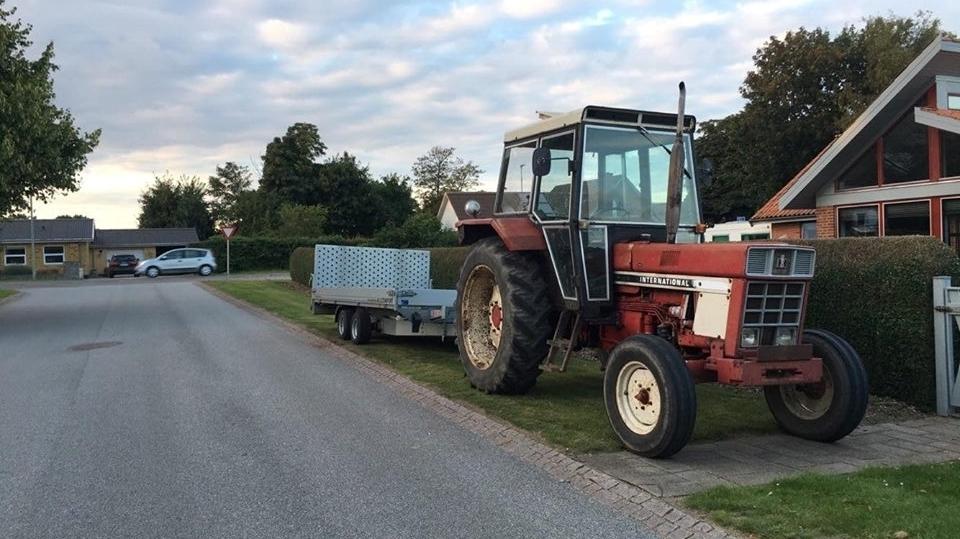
[[780, 262], [773, 304]]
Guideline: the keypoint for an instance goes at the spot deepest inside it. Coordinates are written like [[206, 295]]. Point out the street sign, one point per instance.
[[228, 231]]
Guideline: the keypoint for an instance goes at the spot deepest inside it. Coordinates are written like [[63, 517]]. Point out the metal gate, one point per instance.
[[946, 314]]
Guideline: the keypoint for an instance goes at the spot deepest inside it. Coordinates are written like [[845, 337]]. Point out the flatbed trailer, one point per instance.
[[370, 289]]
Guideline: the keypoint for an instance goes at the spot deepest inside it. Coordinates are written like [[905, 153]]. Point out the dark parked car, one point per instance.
[[120, 264]]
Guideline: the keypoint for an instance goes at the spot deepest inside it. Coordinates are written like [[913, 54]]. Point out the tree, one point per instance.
[[41, 150], [420, 230], [290, 167], [76, 216], [804, 90], [257, 211], [395, 201], [347, 192], [440, 171], [224, 188], [170, 203], [301, 221]]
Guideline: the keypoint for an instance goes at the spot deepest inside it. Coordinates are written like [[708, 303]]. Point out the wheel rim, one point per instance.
[[342, 323], [355, 326], [205, 270], [809, 401], [152, 272], [638, 398], [481, 313]]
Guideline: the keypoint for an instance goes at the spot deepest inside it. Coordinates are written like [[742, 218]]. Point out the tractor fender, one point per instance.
[[518, 233]]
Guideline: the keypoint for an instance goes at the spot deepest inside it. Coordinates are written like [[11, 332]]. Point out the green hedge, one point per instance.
[[301, 265], [445, 265], [877, 294], [263, 253]]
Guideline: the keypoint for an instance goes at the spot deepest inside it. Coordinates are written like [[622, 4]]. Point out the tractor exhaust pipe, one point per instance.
[[675, 179]]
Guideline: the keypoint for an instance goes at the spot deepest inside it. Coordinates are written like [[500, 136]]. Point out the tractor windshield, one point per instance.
[[624, 177]]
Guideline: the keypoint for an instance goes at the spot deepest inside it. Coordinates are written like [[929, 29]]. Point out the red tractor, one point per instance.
[[595, 242]]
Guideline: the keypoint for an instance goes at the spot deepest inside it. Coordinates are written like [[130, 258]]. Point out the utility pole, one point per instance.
[[33, 244]]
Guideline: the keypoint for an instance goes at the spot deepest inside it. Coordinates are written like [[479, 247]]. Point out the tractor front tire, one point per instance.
[[650, 397], [828, 410], [504, 318]]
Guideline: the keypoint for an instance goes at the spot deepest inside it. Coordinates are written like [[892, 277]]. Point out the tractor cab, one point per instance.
[[592, 178]]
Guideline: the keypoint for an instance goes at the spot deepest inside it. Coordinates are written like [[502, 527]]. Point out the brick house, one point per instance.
[[64, 244], [894, 171]]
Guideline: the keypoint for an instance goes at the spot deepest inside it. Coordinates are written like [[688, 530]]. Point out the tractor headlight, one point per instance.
[[785, 336], [750, 337]]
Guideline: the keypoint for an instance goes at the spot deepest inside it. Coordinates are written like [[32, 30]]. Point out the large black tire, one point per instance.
[[360, 327], [504, 359], [830, 410], [344, 317], [650, 397]]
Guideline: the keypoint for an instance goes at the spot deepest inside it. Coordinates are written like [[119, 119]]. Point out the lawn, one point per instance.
[[6, 293], [920, 500], [565, 409]]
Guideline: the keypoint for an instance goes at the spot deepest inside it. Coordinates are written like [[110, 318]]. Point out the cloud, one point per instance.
[[183, 85], [282, 34]]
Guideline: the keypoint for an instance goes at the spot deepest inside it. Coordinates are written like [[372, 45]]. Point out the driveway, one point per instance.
[[161, 410]]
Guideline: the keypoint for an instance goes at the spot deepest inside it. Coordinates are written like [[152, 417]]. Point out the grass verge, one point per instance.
[[920, 500], [5, 293], [565, 409]]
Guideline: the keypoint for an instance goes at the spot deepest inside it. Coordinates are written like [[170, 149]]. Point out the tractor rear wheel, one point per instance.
[[504, 315], [650, 397], [828, 410]]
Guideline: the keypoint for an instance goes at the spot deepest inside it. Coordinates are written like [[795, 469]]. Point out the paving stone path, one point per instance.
[[761, 459]]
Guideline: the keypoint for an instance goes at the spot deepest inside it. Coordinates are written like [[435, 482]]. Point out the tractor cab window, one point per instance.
[[624, 178], [553, 201], [517, 179]]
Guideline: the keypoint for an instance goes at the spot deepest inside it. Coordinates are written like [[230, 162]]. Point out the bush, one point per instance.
[[877, 293], [301, 265], [420, 231], [262, 253], [445, 263], [15, 271]]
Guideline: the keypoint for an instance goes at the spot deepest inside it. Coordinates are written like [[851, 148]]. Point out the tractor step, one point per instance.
[[561, 345]]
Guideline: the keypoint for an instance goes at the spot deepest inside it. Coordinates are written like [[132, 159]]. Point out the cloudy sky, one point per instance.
[[182, 85]]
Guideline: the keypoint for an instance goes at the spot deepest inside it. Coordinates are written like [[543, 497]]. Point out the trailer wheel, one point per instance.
[[504, 314], [344, 317], [650, 397], [831, 409], [360, 326]]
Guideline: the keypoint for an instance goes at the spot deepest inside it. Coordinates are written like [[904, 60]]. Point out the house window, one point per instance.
[[52, 254], [808, 230], [950, 154], [905, 152], [758, 236], [863, 172], [721, 239], [951, 223], [858, 222], [953, 101], [15, 256], [906, 219]]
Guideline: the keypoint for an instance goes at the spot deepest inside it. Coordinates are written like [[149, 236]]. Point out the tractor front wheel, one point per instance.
[[830, 409], [504, 315], [650, 397]]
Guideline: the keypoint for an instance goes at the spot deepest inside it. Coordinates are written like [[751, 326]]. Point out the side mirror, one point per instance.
[[541, 161], [705, 174]]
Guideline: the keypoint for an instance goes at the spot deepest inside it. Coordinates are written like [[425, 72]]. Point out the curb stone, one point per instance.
[[657, 514]]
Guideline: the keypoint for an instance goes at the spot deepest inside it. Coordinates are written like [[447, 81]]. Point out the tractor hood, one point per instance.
[[732, 260]]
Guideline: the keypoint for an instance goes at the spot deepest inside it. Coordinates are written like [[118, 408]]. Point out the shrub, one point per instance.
[[421, 230], [445, 263], [263, 253], [877, 294], [15, 271], [301, 265]]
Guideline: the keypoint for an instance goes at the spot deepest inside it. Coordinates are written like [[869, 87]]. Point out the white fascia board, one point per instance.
[[933, 119]]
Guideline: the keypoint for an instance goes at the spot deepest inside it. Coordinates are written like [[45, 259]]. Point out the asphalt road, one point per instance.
[[161, 410]]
